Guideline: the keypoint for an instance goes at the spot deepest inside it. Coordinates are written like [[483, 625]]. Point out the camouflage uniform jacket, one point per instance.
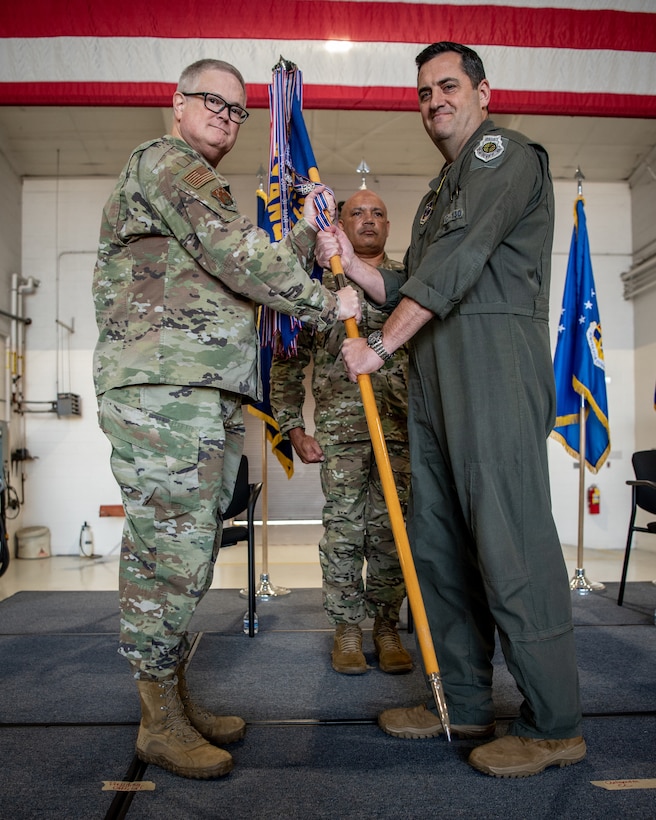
[[339, 415], [180, 271]]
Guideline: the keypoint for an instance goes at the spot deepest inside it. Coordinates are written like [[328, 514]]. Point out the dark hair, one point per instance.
[[472, 64], [192, 72]]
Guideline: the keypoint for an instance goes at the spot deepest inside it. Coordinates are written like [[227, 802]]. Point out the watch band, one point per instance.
[[375, 342]]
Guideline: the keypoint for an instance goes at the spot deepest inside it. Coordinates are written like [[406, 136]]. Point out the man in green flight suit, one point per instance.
[[473, 305], [355, 518], [178, 275]]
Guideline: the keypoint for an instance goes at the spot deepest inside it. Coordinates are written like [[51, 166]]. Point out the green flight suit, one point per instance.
[[482, 403]]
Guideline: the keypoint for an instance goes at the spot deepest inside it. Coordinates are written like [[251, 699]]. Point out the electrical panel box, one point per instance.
[[68, 404]]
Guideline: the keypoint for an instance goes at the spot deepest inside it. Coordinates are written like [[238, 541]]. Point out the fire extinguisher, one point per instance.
[[594, 497]]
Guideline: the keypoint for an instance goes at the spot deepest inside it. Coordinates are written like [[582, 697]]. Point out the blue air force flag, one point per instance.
[[579, 361]]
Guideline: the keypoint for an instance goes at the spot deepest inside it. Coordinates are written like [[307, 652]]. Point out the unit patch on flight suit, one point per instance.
[[489, 148], [428, 210]]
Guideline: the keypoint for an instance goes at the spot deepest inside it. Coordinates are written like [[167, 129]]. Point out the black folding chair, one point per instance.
[[643, 496]]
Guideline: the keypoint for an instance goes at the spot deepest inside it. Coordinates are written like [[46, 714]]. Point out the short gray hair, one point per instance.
[[192, 72]]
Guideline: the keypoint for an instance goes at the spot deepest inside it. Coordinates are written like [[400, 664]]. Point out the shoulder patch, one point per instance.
[[199, 176], [224, 196], [489, 148]]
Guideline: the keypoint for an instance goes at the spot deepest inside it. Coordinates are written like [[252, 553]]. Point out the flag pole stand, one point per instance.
[[266, 591], [579, 582]]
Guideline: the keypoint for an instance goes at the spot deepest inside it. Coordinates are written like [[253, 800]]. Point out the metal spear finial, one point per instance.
[[579, 177], [363, 169], [438, 693]]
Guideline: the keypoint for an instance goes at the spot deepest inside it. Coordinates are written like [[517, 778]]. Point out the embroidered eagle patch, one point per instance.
[[489, 148]]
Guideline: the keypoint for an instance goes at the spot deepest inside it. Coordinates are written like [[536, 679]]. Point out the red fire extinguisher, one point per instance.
[[593, 499]]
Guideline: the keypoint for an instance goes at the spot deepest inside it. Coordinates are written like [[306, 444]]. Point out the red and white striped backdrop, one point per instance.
[[582, 57]]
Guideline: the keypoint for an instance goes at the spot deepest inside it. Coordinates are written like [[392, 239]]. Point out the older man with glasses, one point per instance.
[[178, 277], [216, 104]]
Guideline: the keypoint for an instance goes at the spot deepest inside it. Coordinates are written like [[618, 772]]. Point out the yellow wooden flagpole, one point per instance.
[[415, 599]]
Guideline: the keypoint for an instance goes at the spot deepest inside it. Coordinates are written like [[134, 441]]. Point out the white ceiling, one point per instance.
[[79, 141]]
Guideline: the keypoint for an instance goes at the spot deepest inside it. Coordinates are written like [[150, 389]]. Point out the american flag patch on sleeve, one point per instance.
[[199, 176]]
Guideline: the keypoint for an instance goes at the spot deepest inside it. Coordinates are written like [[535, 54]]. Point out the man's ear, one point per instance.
[[484, 93], [179, 101]]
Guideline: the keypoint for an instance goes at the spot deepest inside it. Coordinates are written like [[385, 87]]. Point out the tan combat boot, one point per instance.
[[414, 722], [347, 654], [217, 729], [512, 756], [167, 739], [392, 657]]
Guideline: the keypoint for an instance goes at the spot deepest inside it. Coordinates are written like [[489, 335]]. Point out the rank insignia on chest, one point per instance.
[[428, 210], [199, 176], [224, 196], [489, 148]]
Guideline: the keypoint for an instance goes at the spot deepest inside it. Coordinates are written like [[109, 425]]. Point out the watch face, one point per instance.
[[375, 342]]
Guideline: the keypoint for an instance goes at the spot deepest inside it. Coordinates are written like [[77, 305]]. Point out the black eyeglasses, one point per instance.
[[215, 103]]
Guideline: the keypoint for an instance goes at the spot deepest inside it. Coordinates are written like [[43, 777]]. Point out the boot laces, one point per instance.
[[350, 639], [190, 707], [198, 712], [175, 720], [387, 636]]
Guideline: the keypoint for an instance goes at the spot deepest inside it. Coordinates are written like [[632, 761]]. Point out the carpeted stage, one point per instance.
[[69, 714]]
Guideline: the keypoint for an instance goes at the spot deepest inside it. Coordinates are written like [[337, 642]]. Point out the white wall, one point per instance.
[[643, 198], [10, 255], [69, 477]]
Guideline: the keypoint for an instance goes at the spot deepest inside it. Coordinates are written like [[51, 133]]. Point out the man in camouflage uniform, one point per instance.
[[357, 525], [178, 274]]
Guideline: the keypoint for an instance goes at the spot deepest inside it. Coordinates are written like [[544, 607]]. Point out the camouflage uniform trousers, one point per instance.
[[357, 528], [175, 455]]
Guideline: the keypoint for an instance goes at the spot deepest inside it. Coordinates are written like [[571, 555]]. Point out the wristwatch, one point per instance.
[[375, 342]]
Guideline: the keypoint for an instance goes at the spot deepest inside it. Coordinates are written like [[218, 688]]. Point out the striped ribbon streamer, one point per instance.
[[290, 180], [322, 206]]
